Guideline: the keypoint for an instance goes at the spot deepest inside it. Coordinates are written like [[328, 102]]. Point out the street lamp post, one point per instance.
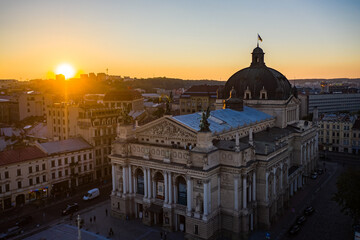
[[79, 229]]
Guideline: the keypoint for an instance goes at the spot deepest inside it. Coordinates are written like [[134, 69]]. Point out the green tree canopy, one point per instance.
[[348, 193]]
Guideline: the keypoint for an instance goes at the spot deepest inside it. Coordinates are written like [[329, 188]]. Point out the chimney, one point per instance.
[[251, 140]]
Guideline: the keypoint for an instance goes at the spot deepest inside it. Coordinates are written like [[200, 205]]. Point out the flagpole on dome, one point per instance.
[[258, 40]]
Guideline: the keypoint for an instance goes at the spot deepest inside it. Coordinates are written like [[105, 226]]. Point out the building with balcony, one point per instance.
[[95, 123], [36, 172], [337, 133]]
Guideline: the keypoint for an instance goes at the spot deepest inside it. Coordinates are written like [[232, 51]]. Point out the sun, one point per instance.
[[65, 69]]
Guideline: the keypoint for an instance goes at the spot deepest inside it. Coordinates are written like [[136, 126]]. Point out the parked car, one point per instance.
[[314, 175], [309, 210], [294, 229], [300, 220], [91, 194], [71, 208], [24, 221], [319, 171], [11, 232]]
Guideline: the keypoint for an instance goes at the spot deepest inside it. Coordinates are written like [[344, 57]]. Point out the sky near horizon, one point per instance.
[[187, 39]]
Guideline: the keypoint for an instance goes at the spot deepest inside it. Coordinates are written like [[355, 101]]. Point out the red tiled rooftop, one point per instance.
[[20, 155]]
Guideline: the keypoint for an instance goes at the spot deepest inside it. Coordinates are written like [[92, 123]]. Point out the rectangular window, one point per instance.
[[59, 162], [6, 174], [53, 175], [60, 174], [7, 187], [30, 182], [53, 163], [85, 156], [196, 229], [37, 180], [79, 158], [19, 184], [90, 166], [18, 172], [66, 161], [37, 168], [72, 159], [30, 169], [79, 169], [85, 168], [43, 166], [44, 178]]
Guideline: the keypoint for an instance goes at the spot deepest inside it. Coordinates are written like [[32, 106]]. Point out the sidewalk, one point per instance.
[[31, 208]]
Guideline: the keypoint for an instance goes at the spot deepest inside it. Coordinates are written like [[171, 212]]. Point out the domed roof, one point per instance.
[[256, 77]]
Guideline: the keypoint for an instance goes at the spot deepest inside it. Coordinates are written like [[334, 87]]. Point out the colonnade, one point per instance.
[[248, 190]]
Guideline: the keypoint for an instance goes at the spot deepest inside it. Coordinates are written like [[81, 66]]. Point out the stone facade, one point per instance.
[[229, 180]]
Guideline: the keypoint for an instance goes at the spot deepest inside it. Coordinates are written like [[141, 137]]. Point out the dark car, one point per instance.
[[11, 232], [308, 211], [24, 221], [300, 220], [294, 229], [319, 171], [71, 208], [314, 175]]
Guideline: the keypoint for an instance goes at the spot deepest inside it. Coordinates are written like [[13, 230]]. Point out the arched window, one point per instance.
[[139, 182], [159, 180], [181, 193]]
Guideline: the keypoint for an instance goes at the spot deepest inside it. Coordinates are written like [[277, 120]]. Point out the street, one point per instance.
[[51, 211]]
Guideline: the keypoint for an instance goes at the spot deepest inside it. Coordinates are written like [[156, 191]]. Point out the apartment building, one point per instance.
[[198, 98], [336, 133], [36, 172], [95, 123]]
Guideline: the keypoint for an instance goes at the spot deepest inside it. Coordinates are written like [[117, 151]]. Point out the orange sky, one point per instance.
[[183, 40]]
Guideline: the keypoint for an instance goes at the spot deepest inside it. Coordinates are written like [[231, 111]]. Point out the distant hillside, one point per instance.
[[149, 84], [329, 80]]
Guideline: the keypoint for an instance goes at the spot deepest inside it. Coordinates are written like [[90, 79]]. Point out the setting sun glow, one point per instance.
[[65, 69]]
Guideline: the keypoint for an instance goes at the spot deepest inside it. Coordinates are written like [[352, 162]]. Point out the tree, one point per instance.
[[348, 193]]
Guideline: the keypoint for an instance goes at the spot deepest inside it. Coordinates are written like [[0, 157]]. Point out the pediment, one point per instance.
[[167, 128], [293, 101]]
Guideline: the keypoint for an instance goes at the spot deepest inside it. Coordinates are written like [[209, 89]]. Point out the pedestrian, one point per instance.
[[111, 232], [161, 235], [106, 212], [94, 219], [165, 236], [90, 220]]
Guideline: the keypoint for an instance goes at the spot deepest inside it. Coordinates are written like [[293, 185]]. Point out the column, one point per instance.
[[124, 179], [209, 194], [250, 192], [206, 198], [291, 189], [305, 156], [130, 181], [166, 188], [244, 192], [274, 185], [254, 187], [149, 184], [219, 190], [236, 193], [295, 184], [113, 178], [300, 181], [301, 154], [175, 193], [189, 194], [134, 184], [170, 189], [267, 186], [281, 175], [145, 183]]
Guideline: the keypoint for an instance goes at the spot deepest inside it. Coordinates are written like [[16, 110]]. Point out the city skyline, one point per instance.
[[189, 40]]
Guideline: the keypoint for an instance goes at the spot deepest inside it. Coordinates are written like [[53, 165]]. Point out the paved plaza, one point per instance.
[[99, 229]]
